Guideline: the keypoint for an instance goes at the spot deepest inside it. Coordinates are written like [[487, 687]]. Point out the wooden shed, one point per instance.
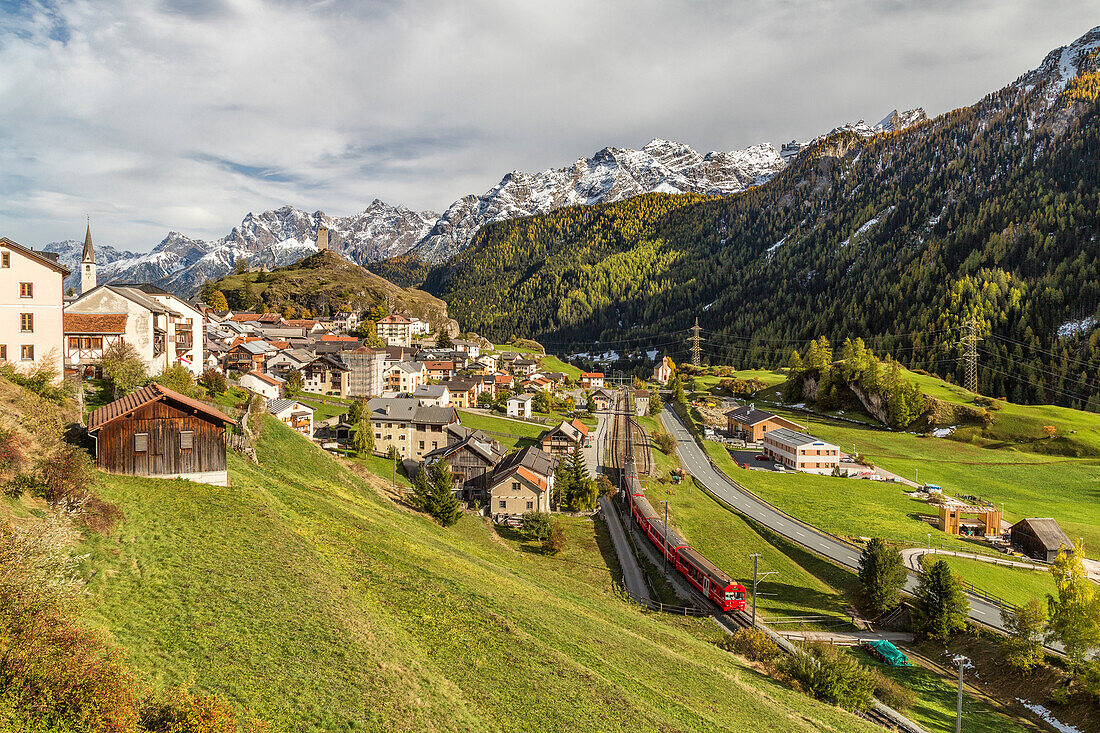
[[1039, 537], [160, 433]]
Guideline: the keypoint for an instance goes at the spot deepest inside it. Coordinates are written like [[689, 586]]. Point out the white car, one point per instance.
[[777, 466]]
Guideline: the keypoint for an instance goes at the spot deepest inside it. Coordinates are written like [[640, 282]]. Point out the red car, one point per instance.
[[761, 457]]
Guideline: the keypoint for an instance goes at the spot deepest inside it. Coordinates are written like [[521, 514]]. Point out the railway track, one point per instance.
[[627, 440]]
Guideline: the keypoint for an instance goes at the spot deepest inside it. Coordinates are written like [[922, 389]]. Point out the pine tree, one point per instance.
[[363, 441], [882, 573], [445, 505], [941, 607], [421, 496]]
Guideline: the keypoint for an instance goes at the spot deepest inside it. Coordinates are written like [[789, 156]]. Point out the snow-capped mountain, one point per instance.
[[890, 123], [71, 251], [612, 174], [286, 235], [1060, 66]]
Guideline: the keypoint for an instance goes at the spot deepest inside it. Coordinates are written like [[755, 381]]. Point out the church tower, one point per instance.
[[87, 263]]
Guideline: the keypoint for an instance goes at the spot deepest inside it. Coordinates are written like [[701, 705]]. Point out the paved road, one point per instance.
[[695, 461], [632, 572]]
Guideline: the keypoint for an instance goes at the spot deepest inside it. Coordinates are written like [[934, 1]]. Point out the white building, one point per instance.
[[436, 395], [163, 329], [30, 307], [519, 405], [263, 384], [404, 377], [293, 414], [346, 321], [418, 327], [395, 330], [801, 452]]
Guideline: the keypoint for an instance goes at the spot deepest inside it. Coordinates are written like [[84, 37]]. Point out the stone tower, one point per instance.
[[322, 238], [87, 263]]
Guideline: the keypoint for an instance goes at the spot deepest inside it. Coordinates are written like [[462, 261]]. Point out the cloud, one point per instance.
[[186, 114]]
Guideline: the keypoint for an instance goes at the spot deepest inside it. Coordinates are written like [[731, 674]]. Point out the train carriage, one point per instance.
[[711, 581]]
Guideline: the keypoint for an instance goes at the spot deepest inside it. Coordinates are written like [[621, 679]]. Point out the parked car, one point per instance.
[[777, 466], [760, 457]]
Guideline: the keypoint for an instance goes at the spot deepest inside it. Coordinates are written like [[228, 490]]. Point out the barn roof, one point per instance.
[[147, 395], [1048, 532]]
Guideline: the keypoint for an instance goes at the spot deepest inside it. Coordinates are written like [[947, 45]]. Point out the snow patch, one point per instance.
[[943, 432], [1075, 328], [1046, 715], [652, 354]]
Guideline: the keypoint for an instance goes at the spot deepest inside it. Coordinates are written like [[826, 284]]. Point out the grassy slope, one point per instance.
[[510, 433], [554, 364], [1017, 584], [309, 600]]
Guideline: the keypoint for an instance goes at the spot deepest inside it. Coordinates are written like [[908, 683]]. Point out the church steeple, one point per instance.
[[89, 255], [87, 263]]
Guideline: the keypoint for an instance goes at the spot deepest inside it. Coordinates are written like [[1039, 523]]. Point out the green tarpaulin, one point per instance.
[[888, 653]]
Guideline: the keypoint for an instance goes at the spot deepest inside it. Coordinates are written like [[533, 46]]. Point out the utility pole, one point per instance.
[[756, 577], [959, 700], [695, 339], [970, 355]]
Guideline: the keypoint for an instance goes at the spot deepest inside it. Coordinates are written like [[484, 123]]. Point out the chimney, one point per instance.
[[322, 238]]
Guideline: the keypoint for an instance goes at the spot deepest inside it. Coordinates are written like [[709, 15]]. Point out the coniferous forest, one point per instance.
[[987, 215]]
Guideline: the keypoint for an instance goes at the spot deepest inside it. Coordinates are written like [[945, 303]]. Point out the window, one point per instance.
[[5, 259], [435, 444], [422, 445], [26, 352], [26, 322], [515, 486], [141, 442], [74, 342], [187, 439], [26, 290], [3, 352], [503, 504], [530, 505]]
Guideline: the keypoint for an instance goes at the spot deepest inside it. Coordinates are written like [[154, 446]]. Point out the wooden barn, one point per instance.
[[1040, 538], [160, 433]]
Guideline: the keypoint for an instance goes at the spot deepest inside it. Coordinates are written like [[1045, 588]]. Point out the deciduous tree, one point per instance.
[[1075, 610]]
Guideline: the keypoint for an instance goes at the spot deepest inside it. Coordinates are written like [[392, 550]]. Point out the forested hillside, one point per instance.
[[988, 212]]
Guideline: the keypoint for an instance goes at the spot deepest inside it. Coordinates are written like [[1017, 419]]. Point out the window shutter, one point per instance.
[[187, 439], [141, 442]]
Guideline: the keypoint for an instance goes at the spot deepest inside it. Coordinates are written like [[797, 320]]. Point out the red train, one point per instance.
[[710, 581]]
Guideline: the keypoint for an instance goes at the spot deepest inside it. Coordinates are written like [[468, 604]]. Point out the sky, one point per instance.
[[185, 115]]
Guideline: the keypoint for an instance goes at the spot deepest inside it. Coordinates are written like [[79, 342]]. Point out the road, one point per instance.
[[632, 572], [695, 461]]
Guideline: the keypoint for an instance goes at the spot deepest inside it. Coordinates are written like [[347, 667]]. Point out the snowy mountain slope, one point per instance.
[[612, 174], [71, 251]]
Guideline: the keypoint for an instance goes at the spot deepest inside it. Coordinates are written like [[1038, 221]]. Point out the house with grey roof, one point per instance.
[[413, 429]]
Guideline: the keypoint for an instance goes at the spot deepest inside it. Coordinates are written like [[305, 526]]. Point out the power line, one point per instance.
[[1041, 351]]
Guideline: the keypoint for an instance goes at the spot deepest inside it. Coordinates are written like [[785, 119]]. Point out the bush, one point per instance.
[[179, 379], [555, 543], [831, 675], [43, 378], [213, 382], [123, 368], [753, 644], [891, 693], [665, 442], [536, 526], [66, 474]]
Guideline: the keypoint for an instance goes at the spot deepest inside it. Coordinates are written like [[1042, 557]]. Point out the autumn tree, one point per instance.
[[1075, 610]]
